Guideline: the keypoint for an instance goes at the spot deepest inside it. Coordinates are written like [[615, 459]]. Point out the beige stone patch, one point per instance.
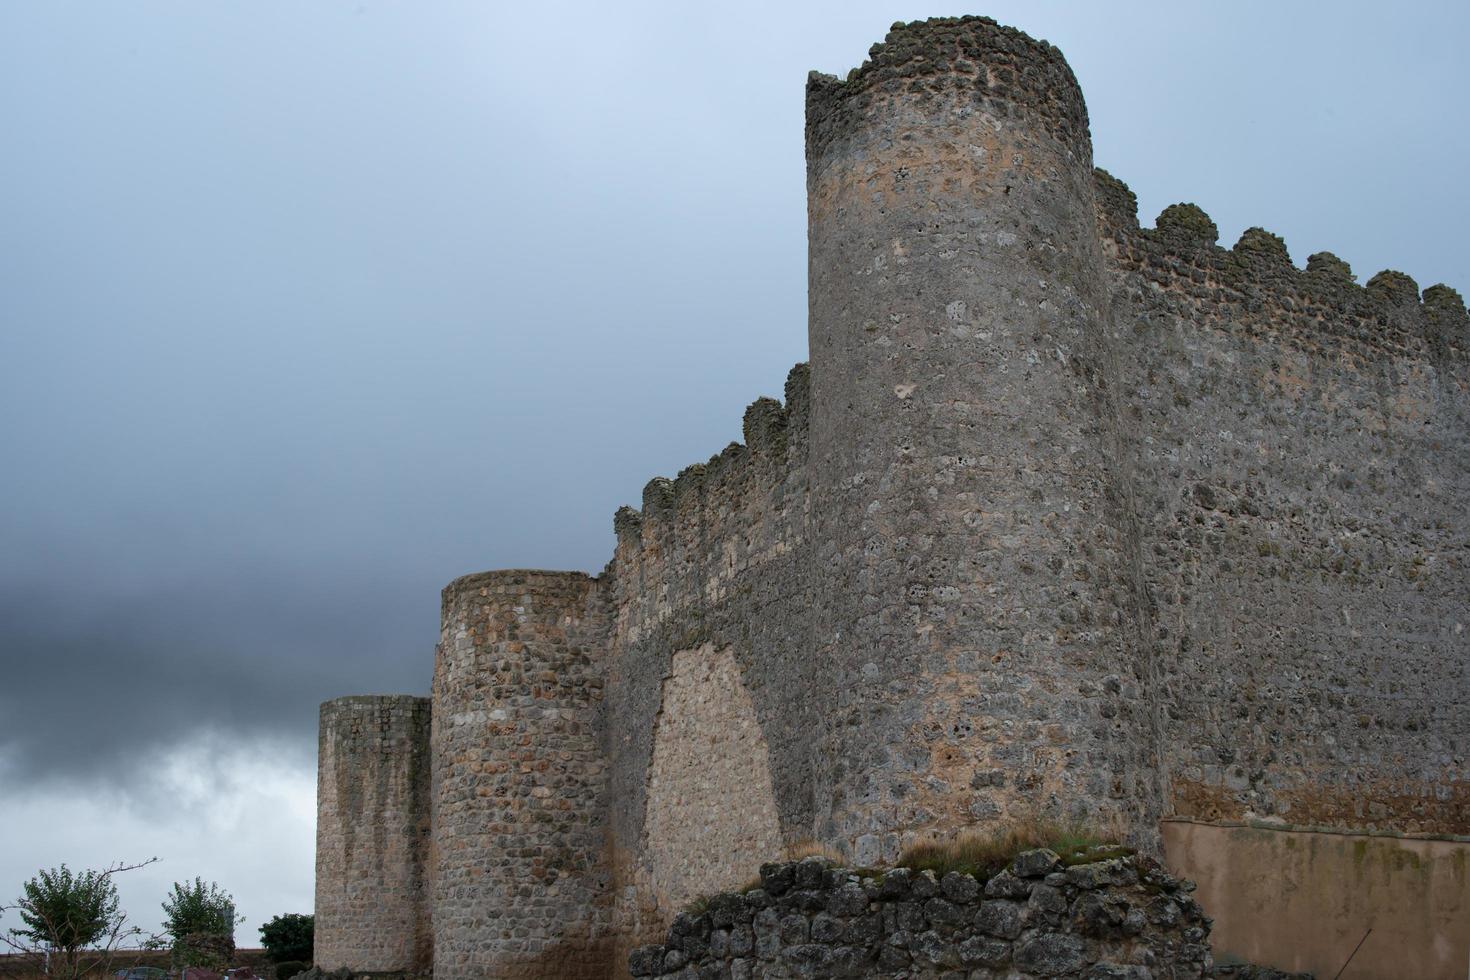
[[710, 815]]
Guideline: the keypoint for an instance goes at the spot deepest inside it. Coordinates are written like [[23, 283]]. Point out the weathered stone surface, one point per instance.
[[960, 888], [999, 918], [1007, 885], [710, 801], [1049, 954], [1035, 864], [372, 835], [907, 936], [521, 889]]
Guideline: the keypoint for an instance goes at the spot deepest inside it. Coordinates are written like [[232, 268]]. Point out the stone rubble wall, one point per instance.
[[977, 589], [710, 795], [522, 887], [713, 569], [1115, 918], [1304, 508], [372, 835]]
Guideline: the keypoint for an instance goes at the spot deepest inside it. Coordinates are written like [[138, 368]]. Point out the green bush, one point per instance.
[[286, 969], [289, 937], [200, 919]]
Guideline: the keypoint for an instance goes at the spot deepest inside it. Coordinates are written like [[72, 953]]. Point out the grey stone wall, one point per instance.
[[519, 779], [716, 559], [372, 835], [1116, 918], [976, 597], [1305, 503]]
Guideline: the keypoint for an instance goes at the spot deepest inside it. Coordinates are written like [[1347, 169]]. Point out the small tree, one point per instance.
[[288, 937], [70, 921], [200, 920]]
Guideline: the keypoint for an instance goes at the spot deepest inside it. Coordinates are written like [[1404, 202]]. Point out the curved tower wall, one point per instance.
[[519, 779], [373, 835], [972, 545]]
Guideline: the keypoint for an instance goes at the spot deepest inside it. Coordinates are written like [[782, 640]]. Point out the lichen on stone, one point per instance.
[[1395, 287], [1330, 266], [1260, 245], [1444, 297], [1187, 221]]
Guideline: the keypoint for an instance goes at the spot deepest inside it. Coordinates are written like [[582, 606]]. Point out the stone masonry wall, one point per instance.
[[519, 779], [1114, 918], [714, 565], [976, 588], [372, 833], [710, 798], [1306, 506]]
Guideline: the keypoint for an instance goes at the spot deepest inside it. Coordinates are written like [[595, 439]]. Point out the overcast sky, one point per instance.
[[306, 309]]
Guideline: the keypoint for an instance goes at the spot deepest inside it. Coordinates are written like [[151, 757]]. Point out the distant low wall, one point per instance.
[[1302, 900]]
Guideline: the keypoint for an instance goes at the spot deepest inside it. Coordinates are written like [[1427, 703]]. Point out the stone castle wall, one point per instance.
[[977, 549], [1067, 518], [1103, 918], [372, 835], [519, 779], [1304, 501], [714, 566]]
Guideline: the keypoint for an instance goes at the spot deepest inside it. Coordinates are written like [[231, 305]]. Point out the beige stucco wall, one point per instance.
[[1300, 900]]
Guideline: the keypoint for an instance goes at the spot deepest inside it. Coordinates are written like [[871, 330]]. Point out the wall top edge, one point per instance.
[[1316, 829]]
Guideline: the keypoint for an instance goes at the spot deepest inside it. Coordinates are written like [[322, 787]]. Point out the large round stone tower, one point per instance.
[[968, 511], [522, 880], [372, 835]]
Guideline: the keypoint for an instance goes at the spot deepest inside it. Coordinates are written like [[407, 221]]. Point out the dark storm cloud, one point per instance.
[[306, 309], [105, 684]]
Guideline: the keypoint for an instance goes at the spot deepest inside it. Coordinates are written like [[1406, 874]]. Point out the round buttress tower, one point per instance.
[[521, 884], [972, 551], [372, 833]]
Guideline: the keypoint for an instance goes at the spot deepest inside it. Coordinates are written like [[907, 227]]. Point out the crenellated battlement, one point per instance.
[[737, 477], [1256, 281], [1066, 519], [998, 70], [694, 534]]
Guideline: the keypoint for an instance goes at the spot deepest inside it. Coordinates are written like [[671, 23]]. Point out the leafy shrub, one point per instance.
[[65, 910], [288, 938], [201, 920], [286, 969]]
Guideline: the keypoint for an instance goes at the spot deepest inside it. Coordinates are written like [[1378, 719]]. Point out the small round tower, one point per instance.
[[522, 882], [968, 509], [372, 834]]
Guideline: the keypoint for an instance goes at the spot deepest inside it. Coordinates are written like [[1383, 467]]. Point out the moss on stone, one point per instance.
[[1188, 221], [1329, 265], [1393, 286], [1260, 244], [1444, 297]]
